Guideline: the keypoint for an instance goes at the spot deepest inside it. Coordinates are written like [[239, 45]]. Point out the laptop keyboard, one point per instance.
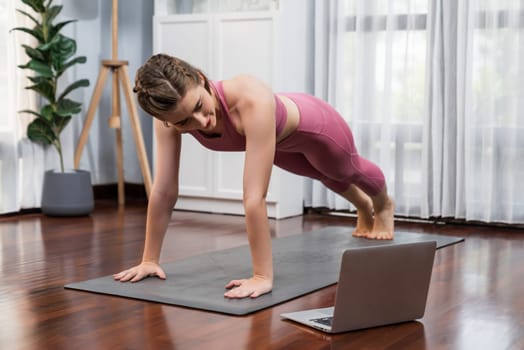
[[324, 320]]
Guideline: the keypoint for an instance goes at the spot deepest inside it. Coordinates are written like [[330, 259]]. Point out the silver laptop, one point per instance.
[[378, 285]]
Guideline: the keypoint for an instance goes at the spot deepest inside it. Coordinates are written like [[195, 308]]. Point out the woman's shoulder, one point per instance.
[[245, 86]]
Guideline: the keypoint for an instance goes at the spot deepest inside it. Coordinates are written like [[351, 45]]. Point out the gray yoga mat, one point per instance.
[[303, 263]]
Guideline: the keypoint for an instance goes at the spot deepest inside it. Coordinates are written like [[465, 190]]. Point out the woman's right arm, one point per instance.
[[163, 197]]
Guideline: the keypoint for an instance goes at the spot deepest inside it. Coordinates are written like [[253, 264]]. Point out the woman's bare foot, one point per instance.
[[364, 206], [384, 223], [364, 223]]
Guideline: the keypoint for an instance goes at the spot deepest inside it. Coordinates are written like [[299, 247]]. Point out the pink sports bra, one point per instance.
[[230, 139]]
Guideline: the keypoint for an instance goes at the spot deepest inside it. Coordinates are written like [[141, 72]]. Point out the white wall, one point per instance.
[[296, 45], [93, 35]]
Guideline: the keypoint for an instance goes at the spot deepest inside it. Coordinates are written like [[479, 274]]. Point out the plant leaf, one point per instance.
[[61, 50], [61, 122], [34, 53], [29, 15], [44, 88], [40, 131], [30, 112], [52, 12], [37, 79], [75, 85], [36, 5], [79, 59], [67, 107], [48, 45], [54, 30], [39, 67], [47, 112], [34, 32]]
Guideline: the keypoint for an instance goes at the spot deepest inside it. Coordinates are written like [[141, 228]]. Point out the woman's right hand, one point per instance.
[[139, 272]]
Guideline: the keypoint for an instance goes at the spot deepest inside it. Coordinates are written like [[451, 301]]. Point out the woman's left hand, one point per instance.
[[252, 287]]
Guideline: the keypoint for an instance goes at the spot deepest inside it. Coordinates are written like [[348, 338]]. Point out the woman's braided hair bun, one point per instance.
[[162, 81]]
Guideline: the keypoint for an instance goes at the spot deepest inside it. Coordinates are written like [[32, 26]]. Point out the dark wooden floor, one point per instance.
[[476, 298]]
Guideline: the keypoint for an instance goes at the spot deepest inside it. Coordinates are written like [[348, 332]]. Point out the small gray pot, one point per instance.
[[67, 194]]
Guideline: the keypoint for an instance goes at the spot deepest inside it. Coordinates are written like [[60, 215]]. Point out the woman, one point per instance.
[[296, 132]]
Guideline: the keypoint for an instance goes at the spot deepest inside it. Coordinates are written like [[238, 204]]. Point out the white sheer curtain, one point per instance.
[[431, 91], [21, 162], [475, 118], [492, 111], [328, 68], [376, 80], [386, 50]]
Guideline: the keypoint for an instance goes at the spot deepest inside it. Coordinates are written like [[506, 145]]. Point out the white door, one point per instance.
[[190, 39]]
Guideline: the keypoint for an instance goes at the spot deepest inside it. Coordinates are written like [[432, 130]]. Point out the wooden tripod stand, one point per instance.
[[120, 76]]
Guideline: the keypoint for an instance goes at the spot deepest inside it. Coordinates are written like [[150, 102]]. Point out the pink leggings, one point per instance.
[[322, 148]]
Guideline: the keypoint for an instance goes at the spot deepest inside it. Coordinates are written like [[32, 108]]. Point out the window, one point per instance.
[[397, 44], [496, 121]]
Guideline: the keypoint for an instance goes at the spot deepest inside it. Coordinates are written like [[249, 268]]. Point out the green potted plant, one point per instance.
[[64, 192]]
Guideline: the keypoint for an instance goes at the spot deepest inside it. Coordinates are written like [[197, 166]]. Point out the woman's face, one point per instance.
[[195, 111]]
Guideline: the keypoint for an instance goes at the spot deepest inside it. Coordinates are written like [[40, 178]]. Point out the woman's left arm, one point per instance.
[[256, 107]]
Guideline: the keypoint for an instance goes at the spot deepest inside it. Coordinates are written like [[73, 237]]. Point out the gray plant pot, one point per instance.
[[67, 194]]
